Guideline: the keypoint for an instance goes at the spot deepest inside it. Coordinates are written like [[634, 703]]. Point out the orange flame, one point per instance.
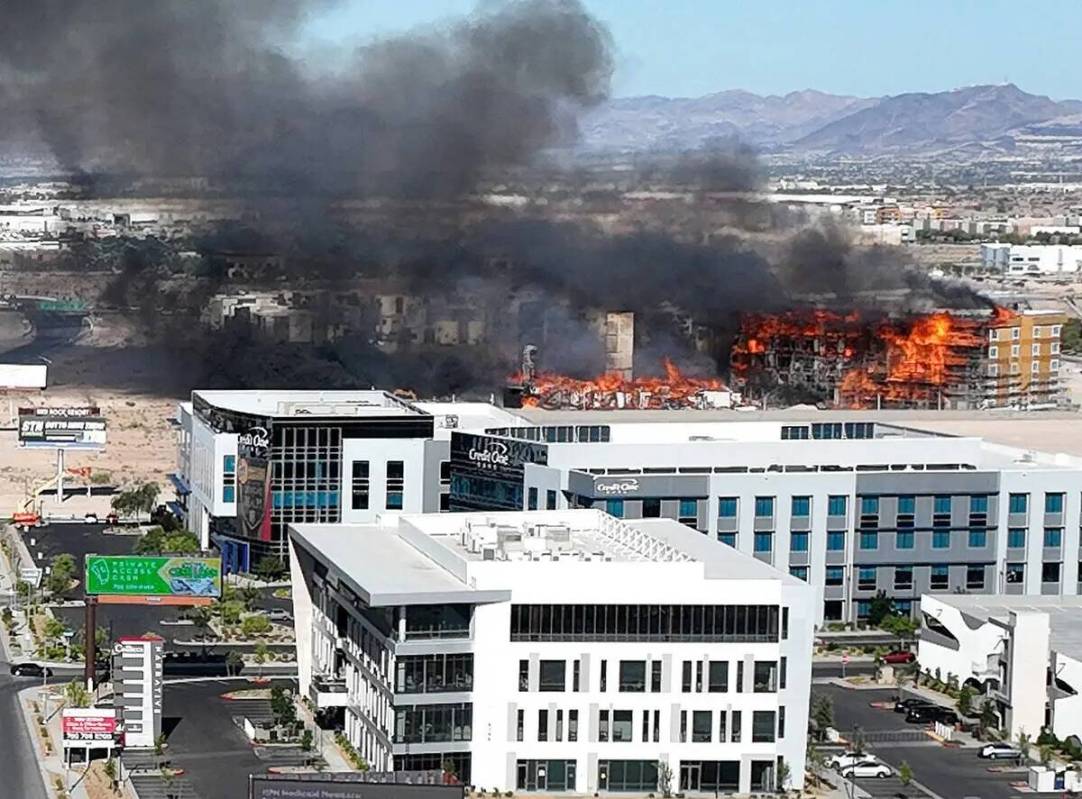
[[613, 390]]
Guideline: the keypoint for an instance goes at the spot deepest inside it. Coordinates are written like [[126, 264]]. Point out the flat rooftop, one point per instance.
[[426, 558], [1064, 614], [288, 404]]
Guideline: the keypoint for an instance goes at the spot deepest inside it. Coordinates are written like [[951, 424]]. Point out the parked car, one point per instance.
[[90, 518], [903, 705], [899, 656], [847, 759], [1000, 750], [30, 670], [931, 713], [280, 615], [867, 768]]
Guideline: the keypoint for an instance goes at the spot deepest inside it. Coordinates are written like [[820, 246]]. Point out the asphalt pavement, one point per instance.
[[21, 775], [950, 773]]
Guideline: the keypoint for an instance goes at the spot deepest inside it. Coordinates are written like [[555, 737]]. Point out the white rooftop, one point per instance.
[[425, 558], [1064, 614], [290, 403]]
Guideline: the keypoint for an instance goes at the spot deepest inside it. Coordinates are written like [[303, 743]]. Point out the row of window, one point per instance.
[[618, 726], [550, 500], [1016, 332], [1016, 369], [728, 507], [768, 676], [867, 577], [1016, 350], [360, 487], [827, 431], [739, 623], [763, 541]]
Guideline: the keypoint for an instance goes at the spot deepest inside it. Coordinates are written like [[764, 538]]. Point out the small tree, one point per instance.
[[250, 596], [965, 700], [823, 714], [61, 574], [76, 695], [781, 778], [880, 608], [1023, 746], [255, 625], [664, 778], [905, 774], [268, 568], [988, 718], [109, 769], [234, 662], [856, 740], [261, 653], [1045, 753], [159, 745]]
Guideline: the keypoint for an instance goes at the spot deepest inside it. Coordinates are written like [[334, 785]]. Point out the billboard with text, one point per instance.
[[66, 428], [154, 576]]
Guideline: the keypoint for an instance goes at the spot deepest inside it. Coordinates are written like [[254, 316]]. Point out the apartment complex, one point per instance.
[[555, 651], [1022, 653], [1023, 366], [853, 508]]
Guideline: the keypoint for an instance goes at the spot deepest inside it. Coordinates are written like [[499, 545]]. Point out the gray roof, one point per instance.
[[383, 569], [1064, 614]]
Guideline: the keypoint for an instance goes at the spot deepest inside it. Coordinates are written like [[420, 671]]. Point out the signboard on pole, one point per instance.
[[151, 576], [87, 726], [63, 428], [137, 670]]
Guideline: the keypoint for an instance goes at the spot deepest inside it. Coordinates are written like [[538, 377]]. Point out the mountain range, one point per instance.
[[817, 122]]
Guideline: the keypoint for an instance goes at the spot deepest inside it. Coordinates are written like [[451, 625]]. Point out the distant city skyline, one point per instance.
[[688, 48]]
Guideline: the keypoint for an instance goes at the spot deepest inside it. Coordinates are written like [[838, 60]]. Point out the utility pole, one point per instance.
[[90, 634]]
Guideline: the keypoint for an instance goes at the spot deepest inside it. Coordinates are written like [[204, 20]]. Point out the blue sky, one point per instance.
[[862, 47]]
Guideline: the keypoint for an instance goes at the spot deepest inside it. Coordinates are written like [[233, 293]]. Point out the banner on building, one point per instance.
[[254, 484]]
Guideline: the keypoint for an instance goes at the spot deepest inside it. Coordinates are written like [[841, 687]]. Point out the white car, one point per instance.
[[847, 759], [1000, 749], [867, 768]]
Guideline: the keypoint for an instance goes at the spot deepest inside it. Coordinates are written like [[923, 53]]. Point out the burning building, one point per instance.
[[983, 359]]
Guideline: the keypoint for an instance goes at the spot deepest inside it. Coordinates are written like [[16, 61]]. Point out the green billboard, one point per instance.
[[141, 575]]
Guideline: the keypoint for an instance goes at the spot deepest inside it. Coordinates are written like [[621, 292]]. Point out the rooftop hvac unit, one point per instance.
[[556, 533], [488, 553], [505, 534]]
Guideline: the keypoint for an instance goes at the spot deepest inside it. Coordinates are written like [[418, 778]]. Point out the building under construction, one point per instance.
[[975, 359]]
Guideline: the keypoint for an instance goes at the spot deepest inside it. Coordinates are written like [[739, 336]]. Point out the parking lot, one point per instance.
[[947, 772]]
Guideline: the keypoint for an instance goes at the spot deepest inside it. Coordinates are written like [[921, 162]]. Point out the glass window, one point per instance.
[[1016, 537], [395, 484], [941, 539], [633, 676], [651, 508], [621, 726], [1053, 503], [801, 506], [907, 504], [603, 726], [685, 683], [798, 542], [615, 507], [903, 577], [866, 578], [689, 508], [1018, 503], [524, 675], [655, 676], [869, 539], [940, 576], [542, 725], [550, 500], [762, 726], [717, 680], [942, 505], [869, 505], [835, 575], [975, 577], [702, 726], [572, 725], [903, 539], [836, 540], [727, 507], [531, 498], [229, 493], [1050, 572], [864, 608], [978, 503], [229, 464], [800, 572], [764, 542], [1016, 573], [836, 505], [978, 539], [764, 506], [359, 486], [553, 675], [729, 539], [735, 731], [766, 676], [520, 725], [1053, 536]]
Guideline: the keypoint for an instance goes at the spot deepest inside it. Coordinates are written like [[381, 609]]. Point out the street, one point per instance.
[[20, 773]]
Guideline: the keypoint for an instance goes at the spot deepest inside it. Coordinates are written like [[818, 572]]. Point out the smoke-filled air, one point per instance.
[[429, 173]]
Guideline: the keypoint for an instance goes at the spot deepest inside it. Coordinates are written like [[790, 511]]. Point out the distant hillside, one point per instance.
[[814, 121]]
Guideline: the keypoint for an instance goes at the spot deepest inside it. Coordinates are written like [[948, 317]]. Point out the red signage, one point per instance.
[[89, 725], [24, 518]]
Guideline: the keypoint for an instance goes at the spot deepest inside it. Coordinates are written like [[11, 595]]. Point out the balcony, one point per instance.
[[327, 692]]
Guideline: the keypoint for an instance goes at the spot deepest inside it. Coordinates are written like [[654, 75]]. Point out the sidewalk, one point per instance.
[[51, 764], [325, 746]]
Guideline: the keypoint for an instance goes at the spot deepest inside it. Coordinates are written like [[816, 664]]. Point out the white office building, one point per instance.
[[250, 463], [853, 508], [555, 650], [1022, 653], [1034, 260]]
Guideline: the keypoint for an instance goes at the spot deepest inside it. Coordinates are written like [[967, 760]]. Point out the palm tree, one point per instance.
[[250, 596]]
